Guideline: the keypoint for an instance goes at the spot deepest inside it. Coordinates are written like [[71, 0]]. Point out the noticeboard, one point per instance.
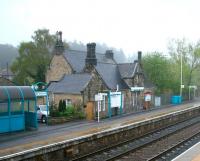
[[115, 99]]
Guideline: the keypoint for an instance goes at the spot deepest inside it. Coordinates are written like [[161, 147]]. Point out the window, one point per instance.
[[68, 102], [3, 108], [16, 107]]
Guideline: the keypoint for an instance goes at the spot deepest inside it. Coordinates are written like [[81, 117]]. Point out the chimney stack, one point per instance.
[[109, 54], [91, 54], [59, 47], [139, 56]]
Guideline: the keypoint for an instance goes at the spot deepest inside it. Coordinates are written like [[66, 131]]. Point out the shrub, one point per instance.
[[70, 110], [60, 106], [63, 106], [54, 112]]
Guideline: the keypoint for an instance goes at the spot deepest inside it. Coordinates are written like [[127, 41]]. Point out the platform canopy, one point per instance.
[[16, 93], [17, 108]]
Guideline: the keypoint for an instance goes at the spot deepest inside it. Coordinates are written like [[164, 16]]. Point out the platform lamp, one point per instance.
[[182, 86]]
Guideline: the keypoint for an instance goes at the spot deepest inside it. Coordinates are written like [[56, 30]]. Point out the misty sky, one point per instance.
[[132, 25]]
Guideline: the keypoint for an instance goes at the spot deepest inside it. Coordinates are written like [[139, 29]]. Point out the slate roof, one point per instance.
[[72, 84], [111, 76], [77, 59], [127, 70], [106, 67]]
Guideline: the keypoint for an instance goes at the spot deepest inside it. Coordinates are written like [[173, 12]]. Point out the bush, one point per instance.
[[69, 111], [54, 113], [62, 106]]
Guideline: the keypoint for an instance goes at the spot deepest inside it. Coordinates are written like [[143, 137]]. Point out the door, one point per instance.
[[90, 111]]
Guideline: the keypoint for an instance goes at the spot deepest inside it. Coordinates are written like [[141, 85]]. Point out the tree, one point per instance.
[[158, 70], [190, 58], [60, 106], [34, 57], [64, 105]]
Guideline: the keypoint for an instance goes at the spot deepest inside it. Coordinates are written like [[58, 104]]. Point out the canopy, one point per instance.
[[16, 93]]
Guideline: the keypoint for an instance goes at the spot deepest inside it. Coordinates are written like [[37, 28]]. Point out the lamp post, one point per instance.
[[181, 75]]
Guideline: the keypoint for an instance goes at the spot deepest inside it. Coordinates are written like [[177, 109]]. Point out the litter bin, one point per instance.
[[176, 99]]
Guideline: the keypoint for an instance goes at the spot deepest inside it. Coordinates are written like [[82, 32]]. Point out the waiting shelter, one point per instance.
[[17, 108]]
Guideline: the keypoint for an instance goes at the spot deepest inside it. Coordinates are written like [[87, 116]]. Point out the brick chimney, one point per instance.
[[91, 56], [109, 54], [59, 47]]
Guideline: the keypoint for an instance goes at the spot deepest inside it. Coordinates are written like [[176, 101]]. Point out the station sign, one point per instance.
[[195, 87], [100, 96], [134, 89], [40, 94]]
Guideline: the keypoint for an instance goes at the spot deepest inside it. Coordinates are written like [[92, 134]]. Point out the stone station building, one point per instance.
[[77, 76]]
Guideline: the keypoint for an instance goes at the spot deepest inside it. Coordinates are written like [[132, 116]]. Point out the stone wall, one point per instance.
[[70, 149], [58, 67], [96, 85]]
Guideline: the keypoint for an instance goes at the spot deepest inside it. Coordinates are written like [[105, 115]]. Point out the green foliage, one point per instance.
[[63, 105], [74, 112], [190, 60], [54, 113], [158, 69], [165, 72], [60, 106], [69, 112]]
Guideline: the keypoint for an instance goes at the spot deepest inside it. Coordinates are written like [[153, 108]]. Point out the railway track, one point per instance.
[[177, 149], [163, 144]]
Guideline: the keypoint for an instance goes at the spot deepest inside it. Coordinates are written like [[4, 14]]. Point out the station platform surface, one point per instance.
[[12, 143], [192, 154]]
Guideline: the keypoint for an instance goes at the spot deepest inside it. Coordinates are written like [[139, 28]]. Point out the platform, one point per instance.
[[192, 154], [13, 143]]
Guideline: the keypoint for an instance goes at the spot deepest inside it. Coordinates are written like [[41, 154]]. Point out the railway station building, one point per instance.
[[77, 76]]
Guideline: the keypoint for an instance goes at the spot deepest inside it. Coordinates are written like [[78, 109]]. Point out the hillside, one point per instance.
[[7, 54]]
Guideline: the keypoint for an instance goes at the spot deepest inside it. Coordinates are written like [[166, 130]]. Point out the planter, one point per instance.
[[59, 120]]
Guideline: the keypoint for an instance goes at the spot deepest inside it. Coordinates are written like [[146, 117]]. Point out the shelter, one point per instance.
[[17, 108]]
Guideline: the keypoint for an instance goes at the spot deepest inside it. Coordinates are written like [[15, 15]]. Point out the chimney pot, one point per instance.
[[139, 56], [59, 47], [91, 54], [109, 54]]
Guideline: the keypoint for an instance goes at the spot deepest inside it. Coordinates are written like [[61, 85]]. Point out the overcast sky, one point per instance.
[[132, 25]]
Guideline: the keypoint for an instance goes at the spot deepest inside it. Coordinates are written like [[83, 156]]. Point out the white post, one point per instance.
[[181, 75], [98, 111], [189, 92], [136, 101], [104, 103]]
